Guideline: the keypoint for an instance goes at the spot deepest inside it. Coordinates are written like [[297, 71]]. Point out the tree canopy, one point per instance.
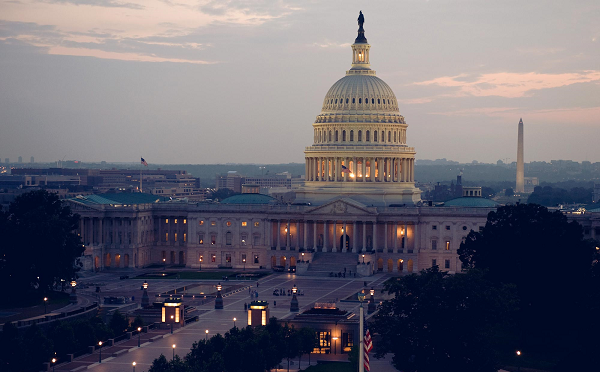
[[438, 321], [39, 245]]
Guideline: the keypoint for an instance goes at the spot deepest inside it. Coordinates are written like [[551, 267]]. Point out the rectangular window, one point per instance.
[[228, 237], [256, 240], [433, 262], [166, 220], [201, 239], [213, 239], [447, 245], [447, 227], [176, 220], [175, 236], [434, 227], [243, 258], [213, 257], [255, 258], [184, 237], [228, 258], [129, 237], [256, 224], [434, 245], [166, 237], [184, 221], [447, 264], [244, 223], [244, 239], [213, 223]]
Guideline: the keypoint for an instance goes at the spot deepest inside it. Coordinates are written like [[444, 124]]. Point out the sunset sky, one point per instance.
[[181, 81]]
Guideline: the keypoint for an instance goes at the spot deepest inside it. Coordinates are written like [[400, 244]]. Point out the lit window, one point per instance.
[[447, 245], [213, 223], [201, 223], [228, 223], [184, 220], [244, 223], [166, 220], [166, 237], [175, 236], [184, 237], [176, 220], [213, 258], [213, 239], [255, 258], [201, 239], [256, 224]]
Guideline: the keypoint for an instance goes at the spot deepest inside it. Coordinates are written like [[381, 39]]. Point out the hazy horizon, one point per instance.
[[217, 82]]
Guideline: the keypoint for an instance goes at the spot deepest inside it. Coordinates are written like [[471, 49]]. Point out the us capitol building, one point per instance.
[[359, 208]]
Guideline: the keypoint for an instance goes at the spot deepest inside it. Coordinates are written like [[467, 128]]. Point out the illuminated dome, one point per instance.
[[359, 149]]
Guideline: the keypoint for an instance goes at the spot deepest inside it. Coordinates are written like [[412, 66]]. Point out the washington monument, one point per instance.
[[520, 187]]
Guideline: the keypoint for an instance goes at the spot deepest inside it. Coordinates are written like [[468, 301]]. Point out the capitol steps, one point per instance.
[[324, 263]]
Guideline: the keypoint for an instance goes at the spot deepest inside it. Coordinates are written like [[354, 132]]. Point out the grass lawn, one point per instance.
[[331, 367], [216, 275]]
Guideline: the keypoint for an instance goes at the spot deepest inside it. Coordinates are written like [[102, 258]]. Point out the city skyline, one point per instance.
[[237, 82]]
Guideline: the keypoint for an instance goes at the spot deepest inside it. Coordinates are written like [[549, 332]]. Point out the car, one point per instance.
[[279, 268]]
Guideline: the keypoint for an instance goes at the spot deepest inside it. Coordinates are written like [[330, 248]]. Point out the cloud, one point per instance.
[[329, 44], [102, 3], [509, 84], [570, 115]]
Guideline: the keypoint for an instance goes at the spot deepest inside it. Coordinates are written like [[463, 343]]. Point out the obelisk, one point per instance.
[[520, 187]]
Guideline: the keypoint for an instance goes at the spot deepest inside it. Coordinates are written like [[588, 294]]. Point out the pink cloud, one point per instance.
[[509, 84], [572, 115]]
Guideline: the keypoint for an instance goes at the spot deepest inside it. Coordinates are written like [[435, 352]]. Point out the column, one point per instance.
[[269, 235], [326, 169], [355, 169], [375, 236], [315, 235], [372, 169], [305, 235], [325, 236], [334, 249], [406, 236], [364, 169], [395, 236], [364, 243], [278, 234], [306, 169], [385, 239], [297, 233], [287, 234], [388, 173], [345, 234], [417, 239], [354, 245]]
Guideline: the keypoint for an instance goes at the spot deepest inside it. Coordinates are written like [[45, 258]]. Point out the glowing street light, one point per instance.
[[100, 355], [294, 306], [206, 335], [133, 364], [234, 319], [200, 263], [53, 363], [174, 351], [172, 321], [45, 305], [139, 335], [518, 361], [363, 256], [219, 299]]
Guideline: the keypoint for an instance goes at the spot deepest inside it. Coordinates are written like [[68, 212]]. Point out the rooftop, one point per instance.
[[471, 202], [124, 198]]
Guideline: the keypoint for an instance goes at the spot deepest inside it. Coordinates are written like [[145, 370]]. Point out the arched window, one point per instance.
[[336, 101], [395, 136], [378, 101], [343, 136], [228, 238], [353, 100], [389, 136], [346, 100], [373, 100], [351, 136], [359, 135], [329, 136], [360, 100], [336, 136], [374, 136], [382, 136], [367, 136], [388, 101]]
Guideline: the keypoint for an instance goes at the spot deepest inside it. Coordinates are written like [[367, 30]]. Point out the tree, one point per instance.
[[160, 364], [137, 322], [39, 245], [438, 321], [307, 340], [548, 261], [509, 192], [118, 323]]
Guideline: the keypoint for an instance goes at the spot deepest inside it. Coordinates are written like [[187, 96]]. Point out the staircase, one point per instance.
[[324, 263]]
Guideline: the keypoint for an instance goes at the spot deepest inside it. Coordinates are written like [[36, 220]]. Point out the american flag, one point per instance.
[[345, 170], [144, 162], [368, 347]]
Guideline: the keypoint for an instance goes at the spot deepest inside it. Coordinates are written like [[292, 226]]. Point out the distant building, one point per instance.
[[32, 160], [20, 159], [596, 196], [530, 184]]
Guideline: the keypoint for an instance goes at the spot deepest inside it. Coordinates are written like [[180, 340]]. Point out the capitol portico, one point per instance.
[[358, 204]]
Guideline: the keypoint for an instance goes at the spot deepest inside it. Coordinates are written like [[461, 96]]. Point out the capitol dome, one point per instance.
[[359, 149]]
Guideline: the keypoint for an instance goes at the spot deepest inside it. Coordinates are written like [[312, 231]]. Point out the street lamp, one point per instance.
[[234, 319], [53, 363], [361, 354], [371, 307], [302, 256], [100, 356], [294, 304], [173, 351], [165, 263], [200, 262], [45, 305], [73, 296], [145, 298], [172, 321], [206, 335], [518, 361], [133, 364], [139, 335], [244, 260], [219, 299], [363, 258]]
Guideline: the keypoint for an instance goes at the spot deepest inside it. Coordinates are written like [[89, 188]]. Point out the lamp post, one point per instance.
[[145, 298], [518, 361], [234, 319], [206, 335], [219, 299], [244, 261], [302, 256], [53, 363], [73, 295], [361, 353], [139, 336], [200, 263], [165, 263], [45, 305], [294, 307], [100, 355], [133, 364], [172, 321], [371, 307], [363, 259], [174, 351]]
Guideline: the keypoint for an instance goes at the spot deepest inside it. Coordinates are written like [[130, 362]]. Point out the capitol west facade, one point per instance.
[[358, 204]]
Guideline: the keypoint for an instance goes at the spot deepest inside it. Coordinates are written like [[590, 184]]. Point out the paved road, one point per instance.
[[216, 321]]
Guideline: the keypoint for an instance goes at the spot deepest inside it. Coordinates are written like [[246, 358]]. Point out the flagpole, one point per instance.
[[141, 168], [361, 345]]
